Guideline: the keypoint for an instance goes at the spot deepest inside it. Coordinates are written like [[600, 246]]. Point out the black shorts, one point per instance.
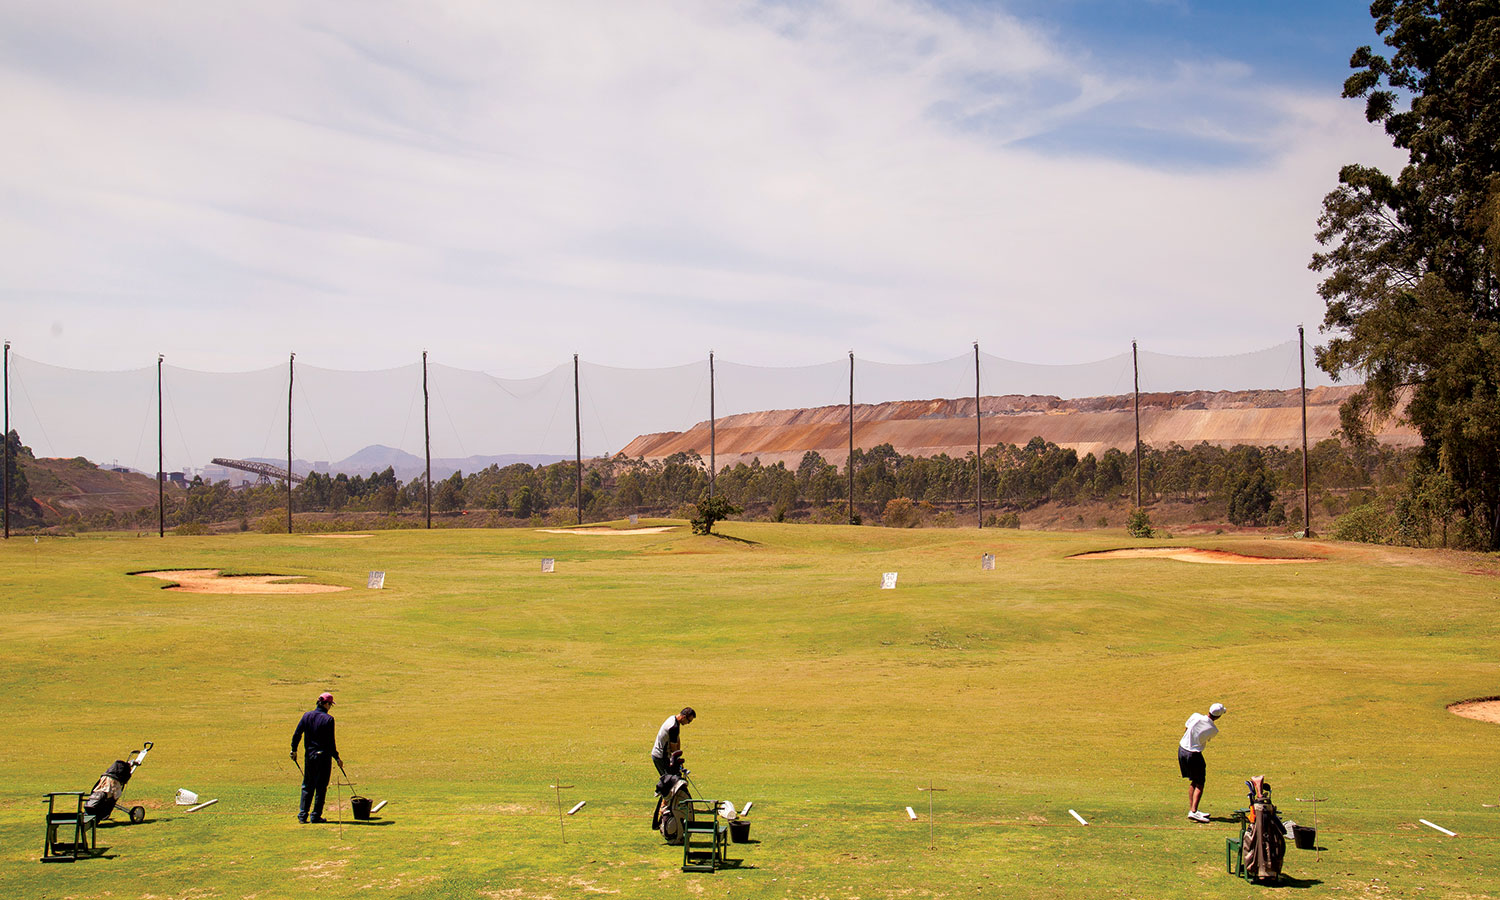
[[1193, 768]]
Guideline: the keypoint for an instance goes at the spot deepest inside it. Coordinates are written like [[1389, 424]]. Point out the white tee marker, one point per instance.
[[1074, 814], [1438, 828]]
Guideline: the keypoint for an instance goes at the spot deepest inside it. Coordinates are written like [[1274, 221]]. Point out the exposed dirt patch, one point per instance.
[[655, 529], [211, 581], [1485, 709], [1196, 555]]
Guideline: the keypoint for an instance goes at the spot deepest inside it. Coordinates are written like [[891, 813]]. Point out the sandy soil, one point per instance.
[[1483, 710], [655, 529], [1195, 555], [209, 581]]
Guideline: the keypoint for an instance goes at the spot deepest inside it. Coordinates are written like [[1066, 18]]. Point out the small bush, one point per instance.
[[711, 510], [1102, 523], [832, 514], [273, 522], [1368, 523], [191, 528], [900, 512], [1139, 524]]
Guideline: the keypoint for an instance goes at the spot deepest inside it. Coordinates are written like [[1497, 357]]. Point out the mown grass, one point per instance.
[[473, 681]]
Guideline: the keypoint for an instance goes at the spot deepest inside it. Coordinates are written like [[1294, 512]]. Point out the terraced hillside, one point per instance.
[[1089, 425]]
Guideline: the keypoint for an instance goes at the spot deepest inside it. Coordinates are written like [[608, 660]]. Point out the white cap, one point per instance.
[[1217, 710]]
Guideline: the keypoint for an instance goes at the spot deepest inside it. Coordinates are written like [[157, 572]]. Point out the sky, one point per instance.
[[505, 184]]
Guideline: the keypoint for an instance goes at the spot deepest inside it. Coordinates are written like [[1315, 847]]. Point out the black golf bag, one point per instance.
[[1264, 846], [107, 791], [671, 790]]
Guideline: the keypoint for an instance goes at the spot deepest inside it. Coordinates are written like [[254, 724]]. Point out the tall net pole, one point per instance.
[[578, 437], [850, 464], [426, 441], [978, 447], [161, 475], [1306, 489], [5, 475], [713, 466], [291, 376], [1135, 364]]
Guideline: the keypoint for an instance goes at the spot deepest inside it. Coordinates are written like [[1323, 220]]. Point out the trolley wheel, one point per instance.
[[137, 815]]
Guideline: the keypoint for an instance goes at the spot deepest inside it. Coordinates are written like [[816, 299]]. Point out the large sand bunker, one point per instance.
[[1485, 709], [1195, 555], [655, 529], [210, 581]]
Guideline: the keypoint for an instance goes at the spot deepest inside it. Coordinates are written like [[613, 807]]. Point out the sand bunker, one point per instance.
[[655, 529], [1486, 709], [209, 581], [342, 537], [1193, 554]]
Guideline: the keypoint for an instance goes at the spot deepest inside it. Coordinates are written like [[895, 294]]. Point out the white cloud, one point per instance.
[[506, 184]]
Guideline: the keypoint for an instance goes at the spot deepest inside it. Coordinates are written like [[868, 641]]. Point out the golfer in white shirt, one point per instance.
[[1200, 730]]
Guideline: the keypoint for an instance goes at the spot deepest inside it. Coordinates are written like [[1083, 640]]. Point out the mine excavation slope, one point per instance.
[[1089, 425], [62, 487]]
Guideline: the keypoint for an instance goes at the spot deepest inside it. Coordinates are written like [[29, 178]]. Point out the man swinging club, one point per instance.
[[1200, 729], [321, 751]]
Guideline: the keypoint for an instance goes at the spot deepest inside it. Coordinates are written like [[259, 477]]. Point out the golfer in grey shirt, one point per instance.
[[669, 739]]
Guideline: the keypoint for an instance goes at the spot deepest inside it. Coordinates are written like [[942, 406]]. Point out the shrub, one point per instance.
[[1139, 523], [832, 514], [710, 510], [191, 528], [1368, 523], [273, 522], [900, 512]]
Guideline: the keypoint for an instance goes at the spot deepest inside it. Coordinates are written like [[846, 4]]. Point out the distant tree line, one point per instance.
[[1376, 493]]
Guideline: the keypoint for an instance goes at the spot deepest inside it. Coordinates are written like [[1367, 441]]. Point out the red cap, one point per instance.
[[325, 697]]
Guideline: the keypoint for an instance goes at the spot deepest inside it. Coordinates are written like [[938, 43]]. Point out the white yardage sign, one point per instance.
[[888, 581], [377, 581], [548, 564]]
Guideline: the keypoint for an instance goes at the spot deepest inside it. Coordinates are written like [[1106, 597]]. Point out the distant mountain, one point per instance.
[[377, 458]]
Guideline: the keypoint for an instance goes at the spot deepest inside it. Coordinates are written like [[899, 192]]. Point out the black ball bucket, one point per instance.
[[739, 831], [1305, 838], [360, 806]]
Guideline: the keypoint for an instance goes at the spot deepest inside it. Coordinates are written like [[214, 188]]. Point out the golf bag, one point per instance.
[[108, 790], [1264, 846], [671, 790]]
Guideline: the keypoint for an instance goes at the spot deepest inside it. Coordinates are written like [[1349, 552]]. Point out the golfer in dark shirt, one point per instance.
[[321, 751]]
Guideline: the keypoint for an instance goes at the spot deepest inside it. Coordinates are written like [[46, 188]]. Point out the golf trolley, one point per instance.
[[91, 808], [696, 825]]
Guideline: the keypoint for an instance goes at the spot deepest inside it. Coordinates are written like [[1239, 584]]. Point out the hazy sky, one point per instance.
[[507, 183]]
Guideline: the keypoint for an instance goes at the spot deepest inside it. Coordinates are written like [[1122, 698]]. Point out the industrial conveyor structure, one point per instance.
[[266, 471]]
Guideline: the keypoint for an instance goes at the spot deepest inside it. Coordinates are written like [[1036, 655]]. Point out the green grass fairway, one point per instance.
[[473, 681]]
